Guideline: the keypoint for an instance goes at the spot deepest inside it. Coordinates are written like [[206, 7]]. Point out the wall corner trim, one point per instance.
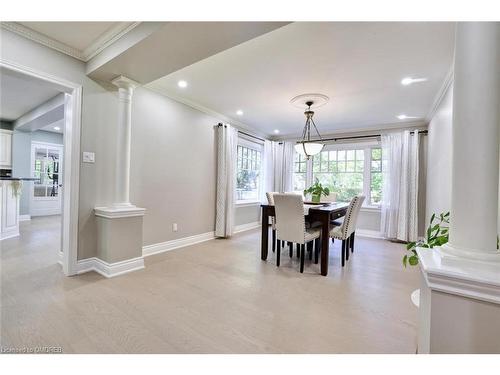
[[369, 233], [109, 270]]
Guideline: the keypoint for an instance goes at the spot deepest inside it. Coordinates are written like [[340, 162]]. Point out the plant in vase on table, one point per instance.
[[316, 191]]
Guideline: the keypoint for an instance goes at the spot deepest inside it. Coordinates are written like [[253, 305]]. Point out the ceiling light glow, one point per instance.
[[57, 128], [182, 84], [276, 131], [239, 112]]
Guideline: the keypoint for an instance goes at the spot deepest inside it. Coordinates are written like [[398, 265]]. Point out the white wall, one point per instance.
[[439, 158]]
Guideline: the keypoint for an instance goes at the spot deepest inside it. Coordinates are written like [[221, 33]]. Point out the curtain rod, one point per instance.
[[360, 137], [247, 134]]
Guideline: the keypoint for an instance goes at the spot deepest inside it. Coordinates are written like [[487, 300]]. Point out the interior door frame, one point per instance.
[[60, 148], [71, 159]]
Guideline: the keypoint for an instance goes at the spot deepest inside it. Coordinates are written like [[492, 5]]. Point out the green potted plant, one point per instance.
[[316, 191], [437, 234]]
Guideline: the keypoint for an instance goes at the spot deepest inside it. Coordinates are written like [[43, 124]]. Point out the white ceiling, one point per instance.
[[20, 94], [358, 65]]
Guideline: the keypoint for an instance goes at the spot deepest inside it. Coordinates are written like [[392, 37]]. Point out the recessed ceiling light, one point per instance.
[[182, 84], [57, 128], [408, 80], [276, 131], [404, 117], [239, 112]]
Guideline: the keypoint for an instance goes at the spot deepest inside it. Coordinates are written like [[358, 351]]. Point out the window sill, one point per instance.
[[247, 203]]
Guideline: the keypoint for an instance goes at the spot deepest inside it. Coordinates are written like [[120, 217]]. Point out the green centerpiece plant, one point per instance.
[[316, 191]]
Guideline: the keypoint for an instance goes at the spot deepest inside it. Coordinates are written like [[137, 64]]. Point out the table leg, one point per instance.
[[265, 234], [325, 239]]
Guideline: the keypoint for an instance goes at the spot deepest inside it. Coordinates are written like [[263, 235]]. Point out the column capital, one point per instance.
[[123, 82]]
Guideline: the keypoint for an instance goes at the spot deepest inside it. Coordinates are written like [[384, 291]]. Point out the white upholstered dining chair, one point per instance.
[[346, 231], [291, 225]]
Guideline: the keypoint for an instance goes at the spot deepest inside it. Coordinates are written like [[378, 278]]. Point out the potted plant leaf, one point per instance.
[[316, 191], [437, 234]]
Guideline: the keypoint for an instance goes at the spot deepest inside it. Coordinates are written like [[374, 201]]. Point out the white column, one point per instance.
[[122, 160], [475, 140]]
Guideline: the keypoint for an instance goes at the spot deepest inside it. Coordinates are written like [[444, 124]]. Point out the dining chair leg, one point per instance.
[[274, 240], [290, 249], [333, 241], [343, 253], [302, 257], [316, 250], [298, 250], [310, 249], [278, 253], [347, 247], [352, 241]]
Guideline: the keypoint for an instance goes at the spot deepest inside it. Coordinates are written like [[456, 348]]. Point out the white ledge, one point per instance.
[[460, 276], [119, 212]]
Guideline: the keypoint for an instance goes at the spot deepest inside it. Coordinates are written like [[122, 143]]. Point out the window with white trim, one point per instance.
[[248, 171], [347, 170]]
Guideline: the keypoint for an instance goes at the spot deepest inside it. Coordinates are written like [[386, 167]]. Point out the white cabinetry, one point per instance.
[[9, 210], [5, 148]]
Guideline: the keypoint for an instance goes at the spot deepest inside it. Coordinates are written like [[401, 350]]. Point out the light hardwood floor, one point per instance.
[[214, 297]]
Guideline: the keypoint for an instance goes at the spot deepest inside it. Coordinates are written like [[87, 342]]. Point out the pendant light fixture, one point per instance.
[[307, 147]]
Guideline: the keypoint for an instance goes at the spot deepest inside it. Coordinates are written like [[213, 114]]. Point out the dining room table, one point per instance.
[[322, 213]]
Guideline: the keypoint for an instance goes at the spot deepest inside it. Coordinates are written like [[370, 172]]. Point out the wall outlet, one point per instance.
[[174, 227]]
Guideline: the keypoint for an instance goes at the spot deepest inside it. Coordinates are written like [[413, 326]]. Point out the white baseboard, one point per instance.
[[369, 233], [24, 217], [161, 247], [109, 269], [244, 227]]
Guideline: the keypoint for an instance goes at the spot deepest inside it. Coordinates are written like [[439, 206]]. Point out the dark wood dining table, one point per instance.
[[323, 213]]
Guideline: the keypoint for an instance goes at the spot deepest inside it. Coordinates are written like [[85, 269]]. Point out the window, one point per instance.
[[248, 171], [376, 176], [342, 171], [299, 172], [346, 171]]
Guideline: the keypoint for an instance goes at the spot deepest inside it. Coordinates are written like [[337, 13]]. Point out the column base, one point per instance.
[[449, 250], [119, 239], [459, 303]]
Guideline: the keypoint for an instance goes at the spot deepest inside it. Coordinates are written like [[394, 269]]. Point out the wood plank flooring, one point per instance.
[[214, 297]]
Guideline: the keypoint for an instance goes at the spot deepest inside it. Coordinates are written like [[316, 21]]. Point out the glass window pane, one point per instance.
[[376, 165], [360, 154], [360, 164], [341, 166], [350, 154], [341, 155], [332, 155], [350, 166], [376, 153]]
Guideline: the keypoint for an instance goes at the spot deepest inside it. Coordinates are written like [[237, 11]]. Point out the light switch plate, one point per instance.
[[88, 157]]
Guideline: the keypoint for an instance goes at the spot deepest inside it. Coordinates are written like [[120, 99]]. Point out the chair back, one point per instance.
[[290, 222], [270, 197], [351, 216]]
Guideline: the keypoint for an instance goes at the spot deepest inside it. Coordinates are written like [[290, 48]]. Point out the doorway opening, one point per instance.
[[39, 163]]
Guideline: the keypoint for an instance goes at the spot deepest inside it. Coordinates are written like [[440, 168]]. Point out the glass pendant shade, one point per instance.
[[309, 148]]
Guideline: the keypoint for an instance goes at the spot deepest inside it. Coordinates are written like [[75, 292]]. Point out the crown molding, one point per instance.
[[102, 42], [448, 80]]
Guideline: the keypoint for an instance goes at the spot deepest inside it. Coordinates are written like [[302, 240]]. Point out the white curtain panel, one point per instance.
[[400, 153], [227, 143], [283, 155], [268, 171]]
